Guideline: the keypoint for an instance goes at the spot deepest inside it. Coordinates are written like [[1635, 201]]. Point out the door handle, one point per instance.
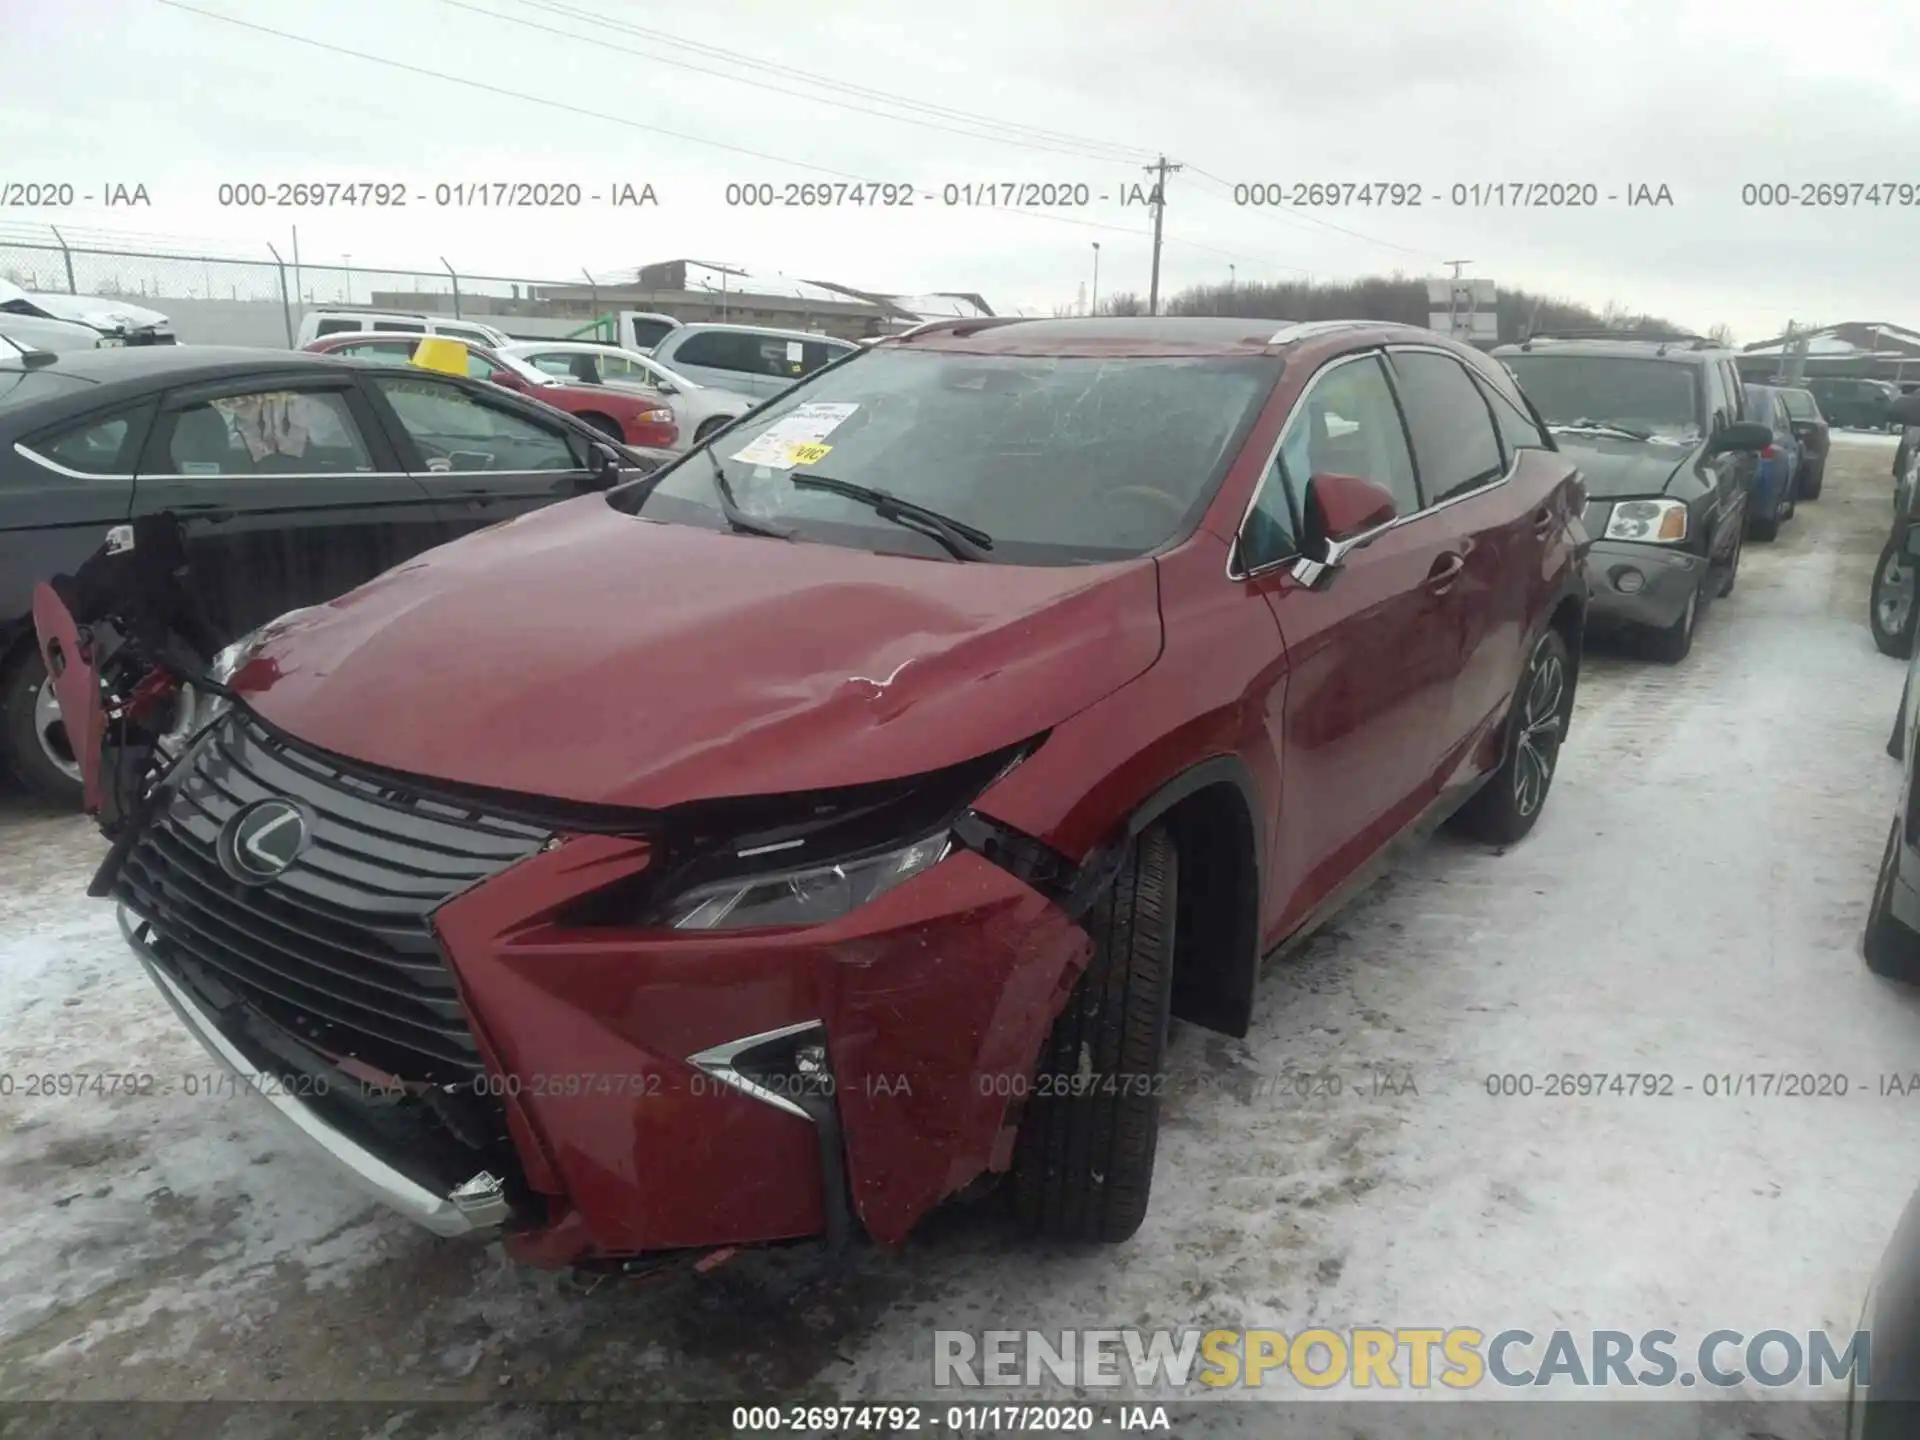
[[1543, 522], [1445, 571]]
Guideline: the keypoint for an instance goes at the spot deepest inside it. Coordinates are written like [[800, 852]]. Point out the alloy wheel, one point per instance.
[[1541, 721], [51, 731], [1894, 599]]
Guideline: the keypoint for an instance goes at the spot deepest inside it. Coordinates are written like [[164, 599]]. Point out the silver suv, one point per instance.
[[747, 358]]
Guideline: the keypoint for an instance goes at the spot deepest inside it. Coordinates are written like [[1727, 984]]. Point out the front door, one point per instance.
[[1373, 652], [287, 491], [482, 457]]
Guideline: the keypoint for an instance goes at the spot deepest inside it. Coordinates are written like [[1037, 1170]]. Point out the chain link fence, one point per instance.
[[260, 300]]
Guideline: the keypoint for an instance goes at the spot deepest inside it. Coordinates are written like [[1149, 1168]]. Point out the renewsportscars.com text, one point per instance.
[[1460, 1358]]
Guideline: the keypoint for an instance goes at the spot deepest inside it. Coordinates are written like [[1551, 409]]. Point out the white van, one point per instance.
[[318, 323]]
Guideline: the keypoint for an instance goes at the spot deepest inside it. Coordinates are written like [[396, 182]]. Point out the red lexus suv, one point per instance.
[[779, 844]]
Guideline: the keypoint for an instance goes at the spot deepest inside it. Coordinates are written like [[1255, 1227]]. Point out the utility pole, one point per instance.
[[1160, 169], [1093, 305], [1456, 264]]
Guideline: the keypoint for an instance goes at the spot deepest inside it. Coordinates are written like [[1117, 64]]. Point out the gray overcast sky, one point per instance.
[[1697, 95]]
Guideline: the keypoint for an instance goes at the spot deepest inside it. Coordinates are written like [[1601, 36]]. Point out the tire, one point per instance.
[[606, 425], [1765, 527], [1509, 803], [1673, 644], [36, 764], [710, 425], [1891, 949], [1083, 1162], [1813, 480], [1892, 615], [1897, 741]]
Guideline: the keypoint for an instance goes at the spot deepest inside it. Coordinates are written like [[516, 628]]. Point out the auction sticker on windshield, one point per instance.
[[795, 439]]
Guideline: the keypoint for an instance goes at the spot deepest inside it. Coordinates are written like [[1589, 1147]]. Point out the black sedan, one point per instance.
[[1886, 1405], [296, 477]]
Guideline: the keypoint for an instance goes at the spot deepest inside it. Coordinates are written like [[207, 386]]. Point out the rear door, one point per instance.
[[1500, 534], [731, 359], [481, 455], [1373, 655], [288, 491]]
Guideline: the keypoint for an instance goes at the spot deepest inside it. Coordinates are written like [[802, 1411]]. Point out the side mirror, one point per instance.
[[507, 379], [1343, 513], [606, 466], [1905, 410], [1744, 435]]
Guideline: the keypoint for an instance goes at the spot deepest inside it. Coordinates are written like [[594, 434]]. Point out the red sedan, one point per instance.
[[782, 843], [635, 419]]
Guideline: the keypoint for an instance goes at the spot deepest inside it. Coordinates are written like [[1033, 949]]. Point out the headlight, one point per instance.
[[1658, 522], [801, 897], [196, 711], [656, 417]]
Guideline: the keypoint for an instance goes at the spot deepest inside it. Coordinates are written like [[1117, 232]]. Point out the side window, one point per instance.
[[1454, 442], [560, 365], [267, 432], [1271, 530], [469, 337], [393, 352], [1720, 406], [1349, 425], [455, 430], [401, 327], [816, 353], [1739, 409], [780, 357], [721, 350], [1518, 430], [99, 445], [335, 327], [478, 369]]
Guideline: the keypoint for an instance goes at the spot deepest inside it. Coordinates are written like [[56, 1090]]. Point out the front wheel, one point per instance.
[[1083, 1159], [1892, 612], [1508, 804], [33, 739], [606, 425], [1890, 948], [1673, 644]]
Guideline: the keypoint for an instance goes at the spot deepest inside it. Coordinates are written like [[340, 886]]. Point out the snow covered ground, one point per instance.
[[1690, 906]]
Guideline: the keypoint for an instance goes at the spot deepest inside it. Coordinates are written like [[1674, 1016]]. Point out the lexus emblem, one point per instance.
[[263, 840]]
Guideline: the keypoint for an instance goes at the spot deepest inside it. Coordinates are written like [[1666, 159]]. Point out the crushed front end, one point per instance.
[[608, 1035]]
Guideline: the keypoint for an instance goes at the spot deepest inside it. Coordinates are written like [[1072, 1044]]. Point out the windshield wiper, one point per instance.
[[738, 519], [963, 541], [1604, 427]]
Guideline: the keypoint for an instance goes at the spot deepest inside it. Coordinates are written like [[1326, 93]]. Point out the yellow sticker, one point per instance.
[[808, 454]]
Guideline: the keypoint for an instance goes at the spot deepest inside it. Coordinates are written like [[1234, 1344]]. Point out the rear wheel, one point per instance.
[[1673, 644], [1766, 527], [1890, 947], [1083, 1162], [1892, 612], [33, 739], [1506, 807], [1812, 479]]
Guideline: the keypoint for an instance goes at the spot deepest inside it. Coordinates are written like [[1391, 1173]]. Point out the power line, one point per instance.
[[1036, 136], [606, 116]]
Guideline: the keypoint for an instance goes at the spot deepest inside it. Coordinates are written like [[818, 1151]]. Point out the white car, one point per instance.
[[64, 323], [318, 324], [699, 410]]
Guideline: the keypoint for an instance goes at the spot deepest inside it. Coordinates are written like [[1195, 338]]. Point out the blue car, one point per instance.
[[1777, 477]]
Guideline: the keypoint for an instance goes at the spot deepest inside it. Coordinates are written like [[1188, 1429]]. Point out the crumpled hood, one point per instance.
[[1624, 467], [588, 655], [102, 312]]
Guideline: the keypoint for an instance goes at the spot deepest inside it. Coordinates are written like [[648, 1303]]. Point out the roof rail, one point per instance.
[[1668, 337]]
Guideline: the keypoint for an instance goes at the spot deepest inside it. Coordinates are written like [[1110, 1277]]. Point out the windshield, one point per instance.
[[1059, 460], [1652, 397]]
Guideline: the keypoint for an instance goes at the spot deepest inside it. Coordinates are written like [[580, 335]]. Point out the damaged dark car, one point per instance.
[[832, 821]]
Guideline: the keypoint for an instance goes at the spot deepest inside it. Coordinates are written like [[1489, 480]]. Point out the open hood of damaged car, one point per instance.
[[584, 654]]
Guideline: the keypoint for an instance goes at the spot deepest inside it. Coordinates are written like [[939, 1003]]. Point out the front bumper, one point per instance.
[[476, 1207], [1666, 579]]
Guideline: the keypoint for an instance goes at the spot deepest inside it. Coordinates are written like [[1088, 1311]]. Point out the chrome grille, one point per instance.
[[337, 950]]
